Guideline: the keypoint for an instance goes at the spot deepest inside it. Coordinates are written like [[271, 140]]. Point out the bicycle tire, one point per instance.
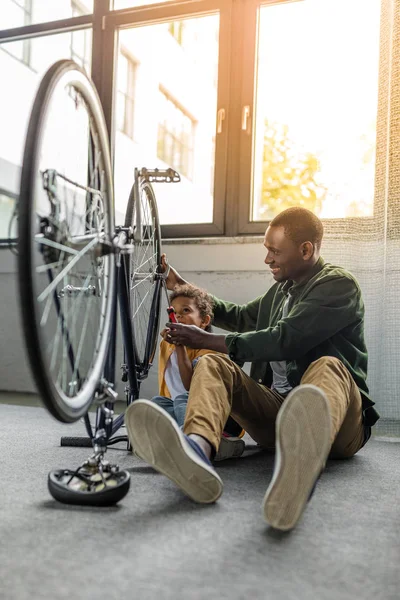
[[97, 218], [144, 336]]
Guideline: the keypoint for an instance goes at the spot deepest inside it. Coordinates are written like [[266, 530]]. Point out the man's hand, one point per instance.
[[164, 334], [195, 337], [173, 279]]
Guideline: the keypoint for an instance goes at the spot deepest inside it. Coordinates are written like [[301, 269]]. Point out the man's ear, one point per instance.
[[307, 250]]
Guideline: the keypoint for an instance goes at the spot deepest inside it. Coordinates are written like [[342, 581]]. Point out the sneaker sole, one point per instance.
[[230, 448], [302, 446], [157, 439]]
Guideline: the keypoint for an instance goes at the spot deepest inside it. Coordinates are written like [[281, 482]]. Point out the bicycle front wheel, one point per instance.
[[143, 274], [66, 225]]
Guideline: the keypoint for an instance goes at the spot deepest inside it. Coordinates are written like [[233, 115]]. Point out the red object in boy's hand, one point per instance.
[[171, 315]]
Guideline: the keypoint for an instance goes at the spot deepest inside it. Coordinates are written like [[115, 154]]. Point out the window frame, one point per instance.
[[244, 225], [167, 12]]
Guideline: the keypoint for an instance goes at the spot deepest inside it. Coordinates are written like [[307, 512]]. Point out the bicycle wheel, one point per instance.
[[66, 224], [143, 274]]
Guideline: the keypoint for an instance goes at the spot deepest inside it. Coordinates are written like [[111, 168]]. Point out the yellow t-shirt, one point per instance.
[[166, 350]]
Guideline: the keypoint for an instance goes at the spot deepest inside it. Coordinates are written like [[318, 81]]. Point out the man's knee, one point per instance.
[[212, 362], [328, 361]]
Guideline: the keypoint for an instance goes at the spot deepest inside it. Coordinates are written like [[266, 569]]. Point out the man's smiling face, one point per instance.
[[286, 259]]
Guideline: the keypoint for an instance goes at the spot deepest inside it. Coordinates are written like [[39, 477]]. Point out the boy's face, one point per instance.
[[187, 312]]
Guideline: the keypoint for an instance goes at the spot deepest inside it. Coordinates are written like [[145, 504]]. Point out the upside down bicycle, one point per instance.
[[74, 264]]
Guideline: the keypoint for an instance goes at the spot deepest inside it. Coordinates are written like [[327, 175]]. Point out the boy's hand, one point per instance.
[[173, 278], [164, 334]]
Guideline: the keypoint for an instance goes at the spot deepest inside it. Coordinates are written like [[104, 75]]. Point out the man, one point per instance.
[[307, 394]]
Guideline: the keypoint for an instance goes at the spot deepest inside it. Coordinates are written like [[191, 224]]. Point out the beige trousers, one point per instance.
[[220, 388]]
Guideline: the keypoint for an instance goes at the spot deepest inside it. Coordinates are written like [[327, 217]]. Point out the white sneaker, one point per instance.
[[303, 430], [230, 447], [157, 439]]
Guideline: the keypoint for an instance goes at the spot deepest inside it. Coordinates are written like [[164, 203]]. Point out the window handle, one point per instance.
[[245, 117], [220, 118]]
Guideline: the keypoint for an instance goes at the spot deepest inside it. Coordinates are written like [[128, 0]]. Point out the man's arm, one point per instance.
[[330, 307], [195, 337], [236, 317]]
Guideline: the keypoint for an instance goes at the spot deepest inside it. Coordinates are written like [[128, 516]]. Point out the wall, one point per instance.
[[234, 269]]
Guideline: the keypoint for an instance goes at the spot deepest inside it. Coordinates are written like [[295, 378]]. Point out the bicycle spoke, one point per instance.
[[66, 269]]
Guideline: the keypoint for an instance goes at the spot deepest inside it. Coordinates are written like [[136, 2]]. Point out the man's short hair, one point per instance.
[[301, 225]]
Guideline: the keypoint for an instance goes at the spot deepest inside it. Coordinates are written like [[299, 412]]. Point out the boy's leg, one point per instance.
[[163, 445], [166, 403], [219, 388], [180, 404]]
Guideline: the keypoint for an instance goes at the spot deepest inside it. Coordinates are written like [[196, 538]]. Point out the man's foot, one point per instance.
[[303, 430], [158, 440], [229, 447]]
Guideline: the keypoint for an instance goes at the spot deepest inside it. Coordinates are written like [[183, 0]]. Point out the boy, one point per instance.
[[192, 306]]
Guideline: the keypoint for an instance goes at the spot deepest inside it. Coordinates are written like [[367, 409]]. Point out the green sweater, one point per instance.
[[325, 318]]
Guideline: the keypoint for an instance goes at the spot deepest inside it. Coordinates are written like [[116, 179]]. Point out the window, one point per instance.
[[16, 13], [126, 94], [81, 41], [175, 136], [172, 104], [313, 120], [259, 105]]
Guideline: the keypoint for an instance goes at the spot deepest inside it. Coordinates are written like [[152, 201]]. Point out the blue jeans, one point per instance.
[[176, 407]]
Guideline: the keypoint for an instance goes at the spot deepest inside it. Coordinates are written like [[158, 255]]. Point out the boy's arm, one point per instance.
[[185, 366]]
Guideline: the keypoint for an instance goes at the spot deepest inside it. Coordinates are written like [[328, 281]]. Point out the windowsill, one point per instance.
[[249, 239]]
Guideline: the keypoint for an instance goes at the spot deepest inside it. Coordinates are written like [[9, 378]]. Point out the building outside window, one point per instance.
[[127, 68], [81, 41], [175, 136], [16, 13], [176, 28]]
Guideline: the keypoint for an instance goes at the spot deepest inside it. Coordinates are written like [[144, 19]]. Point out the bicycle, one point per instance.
[[73, 265]]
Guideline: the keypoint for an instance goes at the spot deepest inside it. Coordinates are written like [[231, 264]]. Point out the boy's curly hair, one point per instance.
[[202, 300]]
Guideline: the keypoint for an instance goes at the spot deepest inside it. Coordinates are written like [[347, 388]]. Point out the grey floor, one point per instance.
[[158, 544]]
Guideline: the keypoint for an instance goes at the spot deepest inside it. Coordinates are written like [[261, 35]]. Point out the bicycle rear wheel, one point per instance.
[[144, 274], [66, 225]]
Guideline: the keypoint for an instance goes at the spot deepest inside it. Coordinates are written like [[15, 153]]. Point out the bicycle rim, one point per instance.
[[143, 277], [66, 221]]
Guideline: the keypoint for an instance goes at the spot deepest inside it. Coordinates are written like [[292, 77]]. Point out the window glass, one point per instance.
[[175, 103], [16, 104], [316, 108], [40, 11], [16, 13], [126, 83]]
